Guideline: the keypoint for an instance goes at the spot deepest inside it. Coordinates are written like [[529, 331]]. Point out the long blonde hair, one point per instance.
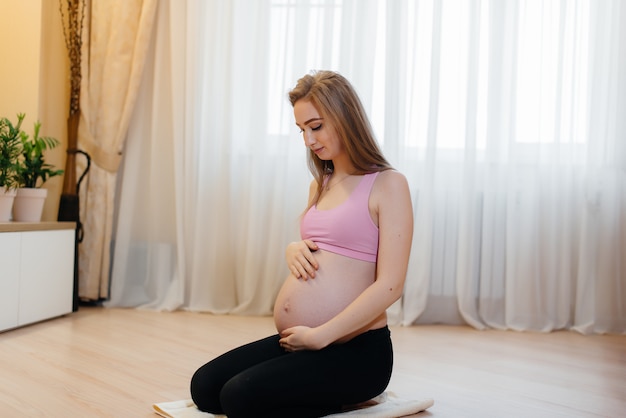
[[335, 99]]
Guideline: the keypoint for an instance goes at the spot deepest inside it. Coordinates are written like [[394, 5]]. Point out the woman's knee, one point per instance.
[[238, 398], [205, 392]]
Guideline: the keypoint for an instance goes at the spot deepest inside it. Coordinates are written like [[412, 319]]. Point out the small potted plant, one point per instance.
[[32, 173], [10, 149]]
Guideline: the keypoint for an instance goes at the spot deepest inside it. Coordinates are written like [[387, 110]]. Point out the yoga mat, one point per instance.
[[387, 405]]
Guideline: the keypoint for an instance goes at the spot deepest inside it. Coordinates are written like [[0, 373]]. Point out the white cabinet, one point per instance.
[[9, 278], [36, 272]]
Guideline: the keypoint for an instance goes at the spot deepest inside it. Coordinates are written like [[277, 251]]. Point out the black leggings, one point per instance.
[[260, 379]]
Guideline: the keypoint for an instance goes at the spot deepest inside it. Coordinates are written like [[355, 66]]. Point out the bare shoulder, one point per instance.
[[391, 194], [390, 182], [391, 175]]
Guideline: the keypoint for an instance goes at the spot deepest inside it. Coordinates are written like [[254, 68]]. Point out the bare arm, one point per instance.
[[395, 219]]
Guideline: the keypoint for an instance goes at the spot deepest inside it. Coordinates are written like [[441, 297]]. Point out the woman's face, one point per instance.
[[318, 134]]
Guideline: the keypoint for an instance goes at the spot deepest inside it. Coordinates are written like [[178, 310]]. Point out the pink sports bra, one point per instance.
[[347, 229]]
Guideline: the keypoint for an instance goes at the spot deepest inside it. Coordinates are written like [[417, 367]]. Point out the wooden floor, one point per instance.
[[102, 362]]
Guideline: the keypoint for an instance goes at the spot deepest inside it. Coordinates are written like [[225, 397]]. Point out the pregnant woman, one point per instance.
[[333, 347]]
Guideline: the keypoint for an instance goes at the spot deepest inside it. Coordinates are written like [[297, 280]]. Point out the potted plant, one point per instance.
[[32, 173], [10, 149]]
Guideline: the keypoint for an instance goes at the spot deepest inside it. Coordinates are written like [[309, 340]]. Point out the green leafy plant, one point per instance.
[[32, 170], [10, 150]]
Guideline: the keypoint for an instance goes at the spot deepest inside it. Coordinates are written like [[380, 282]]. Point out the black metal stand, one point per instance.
[[69, 211]]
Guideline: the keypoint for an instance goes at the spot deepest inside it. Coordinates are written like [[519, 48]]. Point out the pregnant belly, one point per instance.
[[312, 302]]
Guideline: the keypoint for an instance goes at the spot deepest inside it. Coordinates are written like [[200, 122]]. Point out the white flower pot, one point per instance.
[[28, 204], [7, 198]]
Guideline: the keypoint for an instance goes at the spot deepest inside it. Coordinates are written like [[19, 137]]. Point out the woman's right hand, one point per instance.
[[300, 259]]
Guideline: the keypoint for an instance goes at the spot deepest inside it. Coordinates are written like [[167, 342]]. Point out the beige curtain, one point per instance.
[[116, 40]]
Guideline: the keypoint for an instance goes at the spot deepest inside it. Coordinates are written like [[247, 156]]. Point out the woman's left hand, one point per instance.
[[300, 338]]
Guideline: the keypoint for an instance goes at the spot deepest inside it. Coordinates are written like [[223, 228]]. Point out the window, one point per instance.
[[447, 72]]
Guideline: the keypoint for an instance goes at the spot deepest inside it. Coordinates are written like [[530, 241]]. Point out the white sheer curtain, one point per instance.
[[506, 117]]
